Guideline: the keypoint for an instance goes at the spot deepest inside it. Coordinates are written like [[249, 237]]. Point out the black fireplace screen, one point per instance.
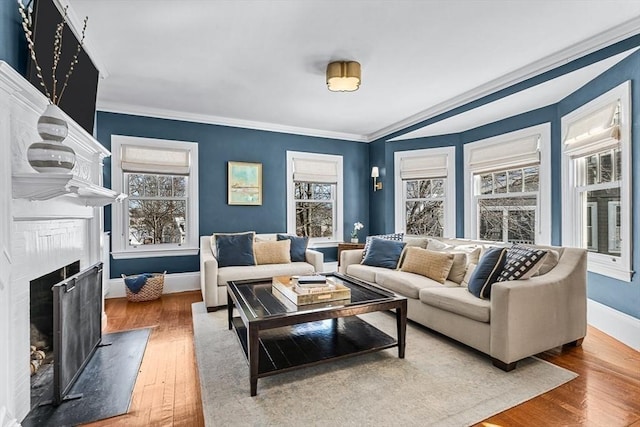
[[77, 325]]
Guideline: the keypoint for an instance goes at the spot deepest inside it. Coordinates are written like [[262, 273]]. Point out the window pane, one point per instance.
[[521, 226], [515, 181], [413, 189], [165, 186], [486, 184], [531, 178], [500, 182], [425, 218], [607, 227], [136, 185], [510, 219], [179, 186], [437, 187], [314, 219], [156, 221], [592, 169], [313, 191], [150, 185], [606, 167]]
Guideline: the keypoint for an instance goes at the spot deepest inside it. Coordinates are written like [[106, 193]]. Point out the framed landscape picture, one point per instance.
[[245, 183]]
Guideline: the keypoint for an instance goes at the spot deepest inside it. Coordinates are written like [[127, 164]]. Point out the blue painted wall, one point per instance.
[[622, 296], [216, 146], [13, 46]]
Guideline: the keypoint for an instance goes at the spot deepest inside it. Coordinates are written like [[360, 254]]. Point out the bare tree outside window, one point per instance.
[[424, 206], [157, 209], [315, 209], [507, 204]]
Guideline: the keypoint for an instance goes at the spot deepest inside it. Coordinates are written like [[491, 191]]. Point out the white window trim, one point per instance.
[[120, 249], [612, 207], [616, 267], [449, 229], [291, 205], [543, 230]]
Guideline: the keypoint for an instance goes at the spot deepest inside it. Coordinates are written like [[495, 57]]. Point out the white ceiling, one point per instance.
[[260, 64]]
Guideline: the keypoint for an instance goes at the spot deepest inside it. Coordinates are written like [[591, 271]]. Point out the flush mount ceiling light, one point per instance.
[[343, 76]]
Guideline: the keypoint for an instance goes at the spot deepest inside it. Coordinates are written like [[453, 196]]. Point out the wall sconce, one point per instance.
[[375, 173]]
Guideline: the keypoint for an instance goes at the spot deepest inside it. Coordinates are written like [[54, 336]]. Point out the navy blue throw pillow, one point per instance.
[[298, 246], [235, 249], [487, 272], [383, 253]]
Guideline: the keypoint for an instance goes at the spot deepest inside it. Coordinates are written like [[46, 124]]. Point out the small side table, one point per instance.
[[348, 246]]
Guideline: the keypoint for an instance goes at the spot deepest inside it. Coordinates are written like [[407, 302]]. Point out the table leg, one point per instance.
[[254, 351], [401, 322], [230, 312]]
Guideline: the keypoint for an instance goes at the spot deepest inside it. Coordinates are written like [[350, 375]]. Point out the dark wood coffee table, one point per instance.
[[278, 336]]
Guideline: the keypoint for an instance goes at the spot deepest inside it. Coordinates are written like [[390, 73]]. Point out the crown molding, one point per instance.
[[160, 113], [562, 57], [75, 24]]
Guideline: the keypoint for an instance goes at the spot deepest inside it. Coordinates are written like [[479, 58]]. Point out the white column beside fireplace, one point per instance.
[[46, 222]]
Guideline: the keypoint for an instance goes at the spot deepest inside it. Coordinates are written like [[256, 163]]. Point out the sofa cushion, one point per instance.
[[266, 271], [407, 284], [394, 236], [431, 264], [550, 261], [486, 272], [383, 253], [521, 263], [298, 246], [364, 272], [235, 249], [457, 300], [272, 252]]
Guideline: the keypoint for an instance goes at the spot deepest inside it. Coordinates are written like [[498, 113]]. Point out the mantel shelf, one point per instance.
[[45, 186]]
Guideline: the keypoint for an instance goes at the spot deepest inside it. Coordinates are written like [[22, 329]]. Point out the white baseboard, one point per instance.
[[620, 326], [176, 282]]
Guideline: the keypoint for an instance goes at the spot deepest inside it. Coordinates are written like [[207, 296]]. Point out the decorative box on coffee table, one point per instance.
[[329, 291]]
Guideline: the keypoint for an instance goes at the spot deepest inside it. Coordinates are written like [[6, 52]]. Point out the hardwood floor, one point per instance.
[[167, 392]]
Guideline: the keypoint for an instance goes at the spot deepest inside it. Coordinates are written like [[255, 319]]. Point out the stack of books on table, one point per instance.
[[310, 289]]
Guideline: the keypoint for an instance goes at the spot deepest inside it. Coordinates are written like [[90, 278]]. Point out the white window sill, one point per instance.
[[141, 252], [323, 244], [606, 266]]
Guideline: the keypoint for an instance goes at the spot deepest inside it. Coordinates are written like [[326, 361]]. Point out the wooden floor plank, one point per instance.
[[167, 393]]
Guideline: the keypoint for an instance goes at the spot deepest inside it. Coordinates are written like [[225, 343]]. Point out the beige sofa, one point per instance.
[[213, 279], [522, 318]]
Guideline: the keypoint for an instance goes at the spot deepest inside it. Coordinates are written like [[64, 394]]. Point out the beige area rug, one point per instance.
[[439, 383]]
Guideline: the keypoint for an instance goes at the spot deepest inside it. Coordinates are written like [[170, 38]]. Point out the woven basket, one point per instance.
[[152, 288]]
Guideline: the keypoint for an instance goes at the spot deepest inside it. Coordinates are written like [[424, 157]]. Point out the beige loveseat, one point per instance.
[[213, 279], [522, 318]]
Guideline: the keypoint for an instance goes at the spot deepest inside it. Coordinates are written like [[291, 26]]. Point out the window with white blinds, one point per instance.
[[596, 182], [507, 187], [425, 192], [160, 215], [314, 197]]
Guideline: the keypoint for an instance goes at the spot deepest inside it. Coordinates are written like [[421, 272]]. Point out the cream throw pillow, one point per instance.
[[272, 252], [431, 264], [467, 275], [458, 267]]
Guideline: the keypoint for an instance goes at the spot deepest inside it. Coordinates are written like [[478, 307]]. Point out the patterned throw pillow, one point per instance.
[[395, 236], [432, 264], [487, 272], [522, 263]]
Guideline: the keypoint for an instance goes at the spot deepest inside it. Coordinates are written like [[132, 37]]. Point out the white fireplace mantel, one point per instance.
[[46, 221]]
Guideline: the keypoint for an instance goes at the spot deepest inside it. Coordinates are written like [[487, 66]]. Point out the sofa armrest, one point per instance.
[[535, 315], [208, 273], [348, 257], [315, 258]]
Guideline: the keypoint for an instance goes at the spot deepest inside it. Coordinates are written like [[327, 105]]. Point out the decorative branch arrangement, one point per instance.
[[27, 26]]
